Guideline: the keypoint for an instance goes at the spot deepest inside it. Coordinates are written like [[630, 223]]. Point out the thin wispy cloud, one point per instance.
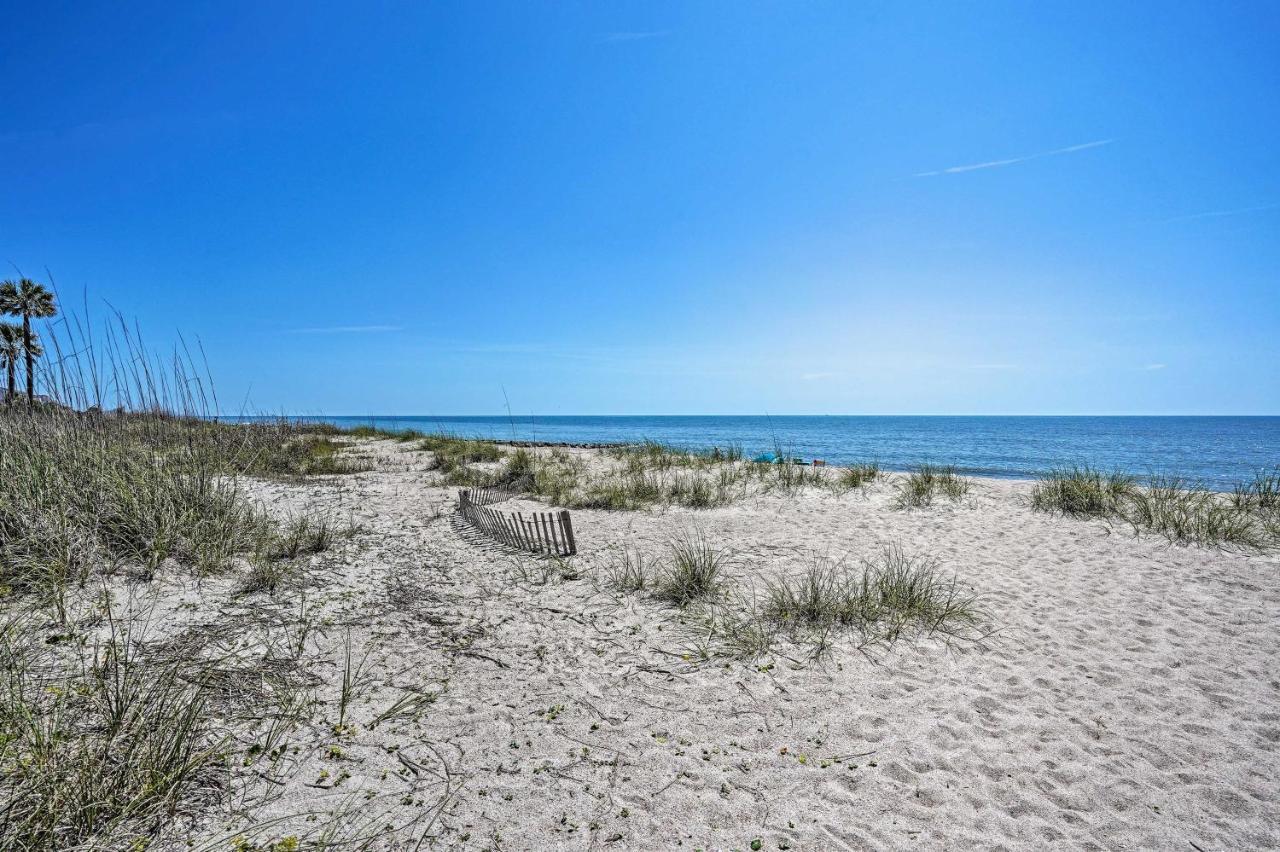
[[1150, 367], [633, 36], [992, 164], [346, 329], [1216, 214]]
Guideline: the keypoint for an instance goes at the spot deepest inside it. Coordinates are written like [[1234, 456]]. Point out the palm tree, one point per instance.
[[27, 299], [10, 352]]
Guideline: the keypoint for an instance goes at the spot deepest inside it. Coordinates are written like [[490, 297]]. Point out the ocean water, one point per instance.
[[1218, 451]]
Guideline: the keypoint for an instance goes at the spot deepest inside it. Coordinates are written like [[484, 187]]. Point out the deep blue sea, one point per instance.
[[1218, 451]]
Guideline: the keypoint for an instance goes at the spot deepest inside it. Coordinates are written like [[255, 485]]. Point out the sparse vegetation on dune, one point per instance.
[[639, 476], [113, 739], [691, 570], [1182, 511], [883, 599], [106, 740], [79, 493], [98, 755]]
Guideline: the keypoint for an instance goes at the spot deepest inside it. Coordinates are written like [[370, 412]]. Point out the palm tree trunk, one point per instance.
[[10, 368], [31, 362]]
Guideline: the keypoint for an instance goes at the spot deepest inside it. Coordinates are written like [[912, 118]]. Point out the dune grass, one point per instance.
[[136, 490], [369, 431], [1186, 513], [882, 598], [694, 571], [1181, 510], [629, 571], [106, 740], [1082, 491], [1262, 494], [649, 474], [891, 596], [929, 481], [452, 457], [95, 756], [857, 475]]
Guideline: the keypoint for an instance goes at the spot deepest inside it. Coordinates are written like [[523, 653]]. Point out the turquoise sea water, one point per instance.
[[1219, 451]]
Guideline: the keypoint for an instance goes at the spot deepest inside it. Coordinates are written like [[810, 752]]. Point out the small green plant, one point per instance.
[[629, 571], [408, 706], [352, 679]]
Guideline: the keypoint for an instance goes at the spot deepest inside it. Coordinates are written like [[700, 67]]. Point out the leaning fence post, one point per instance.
[[567, 526]]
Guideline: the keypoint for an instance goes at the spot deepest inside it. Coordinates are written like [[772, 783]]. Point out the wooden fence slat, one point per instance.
[[551, 531], [568, 531]]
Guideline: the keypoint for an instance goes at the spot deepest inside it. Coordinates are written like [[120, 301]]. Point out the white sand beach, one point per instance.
[[1123, 696]]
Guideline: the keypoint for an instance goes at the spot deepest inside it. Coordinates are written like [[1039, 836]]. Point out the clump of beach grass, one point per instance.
[[275, 560], [1262, 494], [693, 572], [1181, 510], [928, 481], [734, 629], [1187, 513], [857, 476], [882, 598], [1082, 491]]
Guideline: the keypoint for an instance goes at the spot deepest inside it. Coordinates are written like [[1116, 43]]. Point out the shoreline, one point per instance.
[[1221, 451]]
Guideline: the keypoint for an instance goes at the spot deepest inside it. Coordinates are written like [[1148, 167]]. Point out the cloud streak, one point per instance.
[[1216, 214], [993, 164]]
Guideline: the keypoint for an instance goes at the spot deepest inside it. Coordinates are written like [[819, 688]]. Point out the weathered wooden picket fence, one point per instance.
[[538, 532]]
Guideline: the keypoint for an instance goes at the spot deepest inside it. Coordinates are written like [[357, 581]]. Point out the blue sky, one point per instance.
[[664, 208]]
